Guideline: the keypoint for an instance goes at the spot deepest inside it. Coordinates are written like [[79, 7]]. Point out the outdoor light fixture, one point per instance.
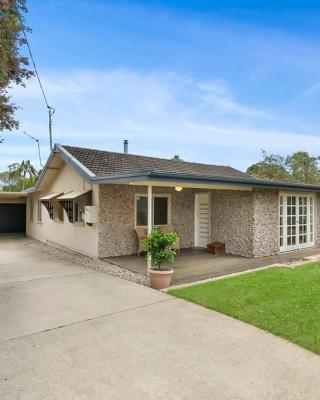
[[178, 188]]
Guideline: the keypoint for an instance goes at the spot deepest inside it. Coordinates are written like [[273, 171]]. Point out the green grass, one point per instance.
[[280, 300]]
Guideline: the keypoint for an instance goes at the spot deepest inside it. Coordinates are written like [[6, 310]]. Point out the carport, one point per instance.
[[12, 212]]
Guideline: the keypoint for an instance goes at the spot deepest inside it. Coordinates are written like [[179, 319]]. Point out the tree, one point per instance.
[[26, 168], [303, 168], [299, 167], [13, 66], [272, 167], [19, 177], [176, 157]]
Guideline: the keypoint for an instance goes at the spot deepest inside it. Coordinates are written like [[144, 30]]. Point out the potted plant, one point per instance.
[[157, 245]]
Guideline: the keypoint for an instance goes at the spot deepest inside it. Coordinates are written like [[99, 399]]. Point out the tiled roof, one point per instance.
[[106, 163]]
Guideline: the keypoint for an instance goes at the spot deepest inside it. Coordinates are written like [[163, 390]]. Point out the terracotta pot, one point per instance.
[[160, 278]]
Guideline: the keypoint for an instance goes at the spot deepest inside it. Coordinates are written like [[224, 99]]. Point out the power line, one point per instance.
[[51, 109], [35, 68]]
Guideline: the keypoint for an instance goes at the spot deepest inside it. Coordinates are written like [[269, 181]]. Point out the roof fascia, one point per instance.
[[74, 163], [68, 159], [164, 177], [44, 170]]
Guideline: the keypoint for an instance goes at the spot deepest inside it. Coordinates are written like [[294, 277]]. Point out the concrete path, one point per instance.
[[70, 333]]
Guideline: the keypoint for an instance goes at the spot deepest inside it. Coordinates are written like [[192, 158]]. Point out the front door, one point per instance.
[[202, 219]]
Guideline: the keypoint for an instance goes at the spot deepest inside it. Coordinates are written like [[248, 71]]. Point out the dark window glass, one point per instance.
[[142, 211], [160, 211]]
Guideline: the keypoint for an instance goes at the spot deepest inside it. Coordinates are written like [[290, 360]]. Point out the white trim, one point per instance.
[[285, 247], [196, 239], [167, 195]]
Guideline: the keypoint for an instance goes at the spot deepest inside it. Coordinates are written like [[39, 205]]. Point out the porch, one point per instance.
[[197, 264]]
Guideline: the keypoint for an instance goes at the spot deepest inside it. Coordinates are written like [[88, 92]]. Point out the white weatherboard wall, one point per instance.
[[82, 238]]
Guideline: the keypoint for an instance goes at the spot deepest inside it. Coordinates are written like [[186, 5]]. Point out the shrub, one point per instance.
[[158, 244]]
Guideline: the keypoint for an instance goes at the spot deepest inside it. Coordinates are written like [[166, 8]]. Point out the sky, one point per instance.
[[211, 81]]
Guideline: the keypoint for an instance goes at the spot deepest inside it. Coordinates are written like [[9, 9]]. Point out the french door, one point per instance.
[[296, 221]]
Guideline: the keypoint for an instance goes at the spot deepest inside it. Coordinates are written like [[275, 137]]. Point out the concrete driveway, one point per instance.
[[70, 333]]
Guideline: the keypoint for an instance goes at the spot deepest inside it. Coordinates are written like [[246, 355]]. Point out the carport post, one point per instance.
[[149, 219]]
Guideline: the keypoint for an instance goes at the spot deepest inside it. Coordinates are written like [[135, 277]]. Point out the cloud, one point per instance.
[[312, 90], [161, 113]]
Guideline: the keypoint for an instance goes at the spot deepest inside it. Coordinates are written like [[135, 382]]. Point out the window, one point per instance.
[[142, 211], [57, 210], [160, 210], [74, 204], [78, 208], [51, 204], [39, 211]]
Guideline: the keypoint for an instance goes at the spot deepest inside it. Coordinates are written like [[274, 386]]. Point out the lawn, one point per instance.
[[280, 300]]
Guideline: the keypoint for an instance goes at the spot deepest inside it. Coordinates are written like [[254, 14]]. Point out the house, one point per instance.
[[91, 201]]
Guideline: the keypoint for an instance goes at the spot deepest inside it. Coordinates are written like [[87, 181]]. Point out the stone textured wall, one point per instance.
[[232, 220], [117, 217], [246, 221], [265, 223]]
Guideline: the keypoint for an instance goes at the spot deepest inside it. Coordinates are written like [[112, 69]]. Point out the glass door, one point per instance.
[[296, 222]]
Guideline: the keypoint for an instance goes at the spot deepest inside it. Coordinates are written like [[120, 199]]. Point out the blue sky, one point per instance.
[[212, 81]]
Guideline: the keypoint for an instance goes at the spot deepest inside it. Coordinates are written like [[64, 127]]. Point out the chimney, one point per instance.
[[125, 146]]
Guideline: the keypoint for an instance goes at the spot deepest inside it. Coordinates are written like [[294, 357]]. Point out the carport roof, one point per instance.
[[12, 195]]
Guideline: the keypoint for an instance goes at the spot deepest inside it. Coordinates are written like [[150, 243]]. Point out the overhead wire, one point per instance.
[[51, 109], [35, 68]]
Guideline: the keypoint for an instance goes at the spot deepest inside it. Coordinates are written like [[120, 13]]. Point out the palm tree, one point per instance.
[[26, 168], [23, 169]]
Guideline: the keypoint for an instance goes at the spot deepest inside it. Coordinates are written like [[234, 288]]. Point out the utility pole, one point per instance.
[[51, 112], [38, 144]]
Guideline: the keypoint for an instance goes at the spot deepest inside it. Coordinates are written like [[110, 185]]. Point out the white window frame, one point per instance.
[[168, 196], [297, 245]]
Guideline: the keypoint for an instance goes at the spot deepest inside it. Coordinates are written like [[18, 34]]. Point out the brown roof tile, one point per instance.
[[105, 163]]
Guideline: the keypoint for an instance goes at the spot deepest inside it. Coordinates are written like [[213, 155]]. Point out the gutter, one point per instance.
[[200, 179]]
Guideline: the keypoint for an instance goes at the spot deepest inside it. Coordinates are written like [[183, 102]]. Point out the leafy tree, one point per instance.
[[299, 167], [303, 168], [271, 167], [13, 66], [176, 157]]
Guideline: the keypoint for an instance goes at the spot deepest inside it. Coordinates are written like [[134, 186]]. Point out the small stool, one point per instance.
[[216, 248]]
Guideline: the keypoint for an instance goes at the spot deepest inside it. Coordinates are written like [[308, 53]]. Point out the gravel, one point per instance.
[[88, 262]]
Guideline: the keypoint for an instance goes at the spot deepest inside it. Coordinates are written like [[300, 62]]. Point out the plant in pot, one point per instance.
[[157, 245]]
